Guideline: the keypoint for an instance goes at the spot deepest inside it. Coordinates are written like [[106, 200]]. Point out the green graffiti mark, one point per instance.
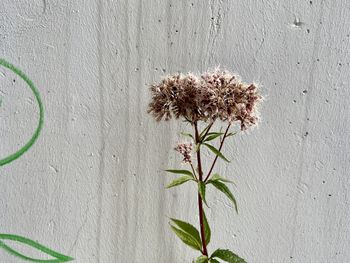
[[58, 258], [36, 93]]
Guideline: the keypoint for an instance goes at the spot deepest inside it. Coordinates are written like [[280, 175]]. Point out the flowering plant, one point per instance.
[[214, 96]]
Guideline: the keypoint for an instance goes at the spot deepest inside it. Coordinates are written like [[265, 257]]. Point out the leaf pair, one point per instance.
[[188, 176], [189, 234], [58, 258], [219, 183], [204, 133], [208, 137]]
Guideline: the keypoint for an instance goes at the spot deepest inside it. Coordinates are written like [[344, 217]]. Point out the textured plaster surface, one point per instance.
[[92, 186]]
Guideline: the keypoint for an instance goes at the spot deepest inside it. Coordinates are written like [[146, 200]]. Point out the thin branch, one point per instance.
[[216, 157], [194, 172]]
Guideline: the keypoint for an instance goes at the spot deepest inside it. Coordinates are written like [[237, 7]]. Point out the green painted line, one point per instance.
[[10, 158], [58, 258]]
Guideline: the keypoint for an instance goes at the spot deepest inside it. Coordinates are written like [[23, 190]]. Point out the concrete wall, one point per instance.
[[92, 186]]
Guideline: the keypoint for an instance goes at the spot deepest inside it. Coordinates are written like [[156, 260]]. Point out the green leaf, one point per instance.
[[231, 134], [212, 135], [204, 131], [227, 256], [180, 180], [187, 134], [188, 229], [217, 177], [202, 259], [201, 190], [214, 261], [187, 238], [186, 172], [216, 151], [57, 256], [223, 188], [207, 231]]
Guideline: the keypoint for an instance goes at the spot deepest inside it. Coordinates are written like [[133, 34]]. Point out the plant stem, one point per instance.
[[216, 157], [200, 201]]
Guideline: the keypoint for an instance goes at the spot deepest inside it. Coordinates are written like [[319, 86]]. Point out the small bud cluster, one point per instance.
[[185, 149]]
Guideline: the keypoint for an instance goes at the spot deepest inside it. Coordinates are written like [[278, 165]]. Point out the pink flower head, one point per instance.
[[214, 95], [185, 149]]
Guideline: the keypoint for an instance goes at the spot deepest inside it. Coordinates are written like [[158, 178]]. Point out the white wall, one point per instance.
[[92, 186]]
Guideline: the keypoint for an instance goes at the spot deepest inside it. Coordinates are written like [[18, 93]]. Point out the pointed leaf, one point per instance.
[[187, 134], [231, 134], [201, 190], [227, 256], [212, 135], [57, 256], [186, 172], [202, 259], [186, 238], [223, 188], [187, 228], [214, 261], [179, 181], [216, 151], [207, 231], [217, 177]]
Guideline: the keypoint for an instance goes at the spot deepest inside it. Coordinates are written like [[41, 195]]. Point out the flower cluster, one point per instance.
[[214, 95], [185, 149]]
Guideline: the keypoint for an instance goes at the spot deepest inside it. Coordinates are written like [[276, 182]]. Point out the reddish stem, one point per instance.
[[200, 201], [216, 157]]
